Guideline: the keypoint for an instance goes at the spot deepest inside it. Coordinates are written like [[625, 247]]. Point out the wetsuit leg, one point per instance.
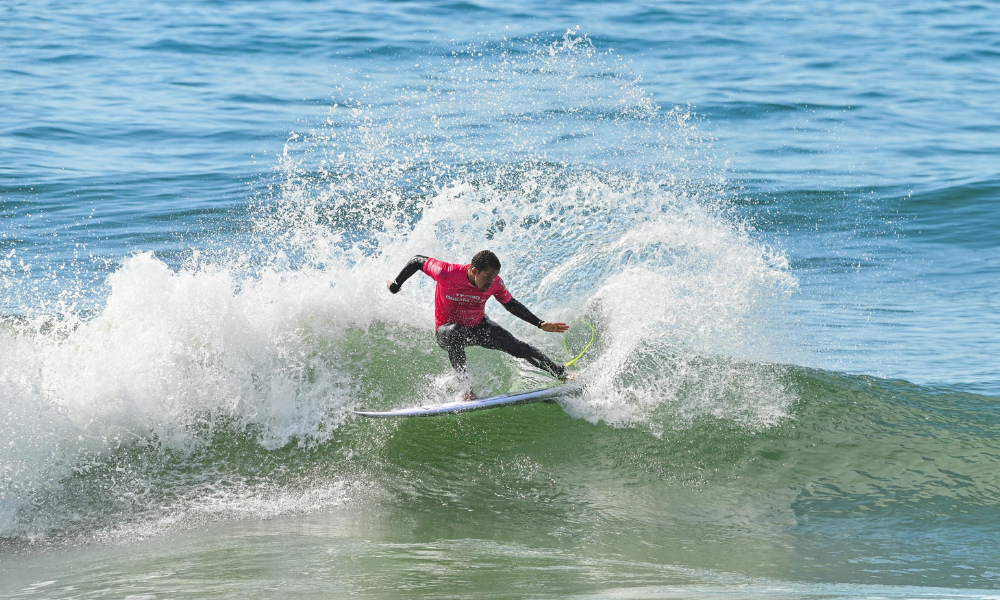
[[454, 338], [490, 335]]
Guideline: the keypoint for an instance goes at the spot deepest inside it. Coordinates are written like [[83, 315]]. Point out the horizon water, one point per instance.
[[781, 221]]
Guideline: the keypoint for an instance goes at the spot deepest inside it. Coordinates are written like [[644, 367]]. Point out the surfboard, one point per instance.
[[549, 394]]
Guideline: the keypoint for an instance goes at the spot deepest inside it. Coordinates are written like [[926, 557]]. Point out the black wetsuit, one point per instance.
[[486, 334]]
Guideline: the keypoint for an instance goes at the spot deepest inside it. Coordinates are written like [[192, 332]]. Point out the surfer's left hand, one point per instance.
[[554, 327]]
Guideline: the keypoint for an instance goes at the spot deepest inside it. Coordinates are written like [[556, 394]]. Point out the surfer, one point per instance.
[[460, 311]]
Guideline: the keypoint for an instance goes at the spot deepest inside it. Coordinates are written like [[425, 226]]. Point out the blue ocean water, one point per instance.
[[782, 220]]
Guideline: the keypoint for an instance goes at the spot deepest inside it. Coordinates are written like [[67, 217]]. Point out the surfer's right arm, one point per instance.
[[416, 264]]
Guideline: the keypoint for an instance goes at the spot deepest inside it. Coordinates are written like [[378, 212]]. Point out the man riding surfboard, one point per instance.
[[460, 310]]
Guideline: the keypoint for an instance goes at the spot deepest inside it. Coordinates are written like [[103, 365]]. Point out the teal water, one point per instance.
[[781, 221]]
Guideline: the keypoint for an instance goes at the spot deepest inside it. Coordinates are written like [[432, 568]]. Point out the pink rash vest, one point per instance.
[[455, 299]]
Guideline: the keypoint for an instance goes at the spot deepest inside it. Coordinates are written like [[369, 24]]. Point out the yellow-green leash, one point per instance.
[[566, 345]]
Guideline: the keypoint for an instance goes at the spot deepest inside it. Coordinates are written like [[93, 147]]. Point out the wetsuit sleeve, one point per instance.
[[521, 312], [416, 264]]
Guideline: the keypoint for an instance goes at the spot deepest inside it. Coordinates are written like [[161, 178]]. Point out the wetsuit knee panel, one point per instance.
[[448, 335], [524, 350]]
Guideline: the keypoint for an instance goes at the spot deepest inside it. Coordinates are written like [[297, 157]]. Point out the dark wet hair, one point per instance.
[[484, 259]]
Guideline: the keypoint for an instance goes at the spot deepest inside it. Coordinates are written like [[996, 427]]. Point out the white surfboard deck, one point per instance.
[[544, 395]]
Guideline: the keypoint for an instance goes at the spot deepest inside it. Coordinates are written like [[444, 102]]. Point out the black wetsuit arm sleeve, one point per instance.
[[521, 312], [416, 264]]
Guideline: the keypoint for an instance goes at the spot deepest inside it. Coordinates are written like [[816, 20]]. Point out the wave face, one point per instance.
[[211, 378], [277, 347]]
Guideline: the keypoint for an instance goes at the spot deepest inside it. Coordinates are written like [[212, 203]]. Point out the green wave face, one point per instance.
[[862, 480]]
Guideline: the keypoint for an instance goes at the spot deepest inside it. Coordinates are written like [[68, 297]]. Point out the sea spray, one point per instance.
[[622, 217]]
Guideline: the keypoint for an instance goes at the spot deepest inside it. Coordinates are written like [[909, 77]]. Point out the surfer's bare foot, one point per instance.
[[469, 396], [568, 377]]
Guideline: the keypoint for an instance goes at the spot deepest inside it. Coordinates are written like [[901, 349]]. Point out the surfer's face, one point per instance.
[[484, 279]]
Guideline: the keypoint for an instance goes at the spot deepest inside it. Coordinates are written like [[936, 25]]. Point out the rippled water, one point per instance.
[[780, 219]]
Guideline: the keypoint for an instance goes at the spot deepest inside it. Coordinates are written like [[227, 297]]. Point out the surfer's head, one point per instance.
[[484, 269]]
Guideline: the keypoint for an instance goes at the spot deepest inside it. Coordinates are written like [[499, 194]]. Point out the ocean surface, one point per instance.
[[781, 219]]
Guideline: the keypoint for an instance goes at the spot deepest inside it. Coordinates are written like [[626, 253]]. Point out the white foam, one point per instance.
[[174, 353]]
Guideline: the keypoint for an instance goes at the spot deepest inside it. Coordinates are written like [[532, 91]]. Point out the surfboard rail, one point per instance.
[[548, 394]]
